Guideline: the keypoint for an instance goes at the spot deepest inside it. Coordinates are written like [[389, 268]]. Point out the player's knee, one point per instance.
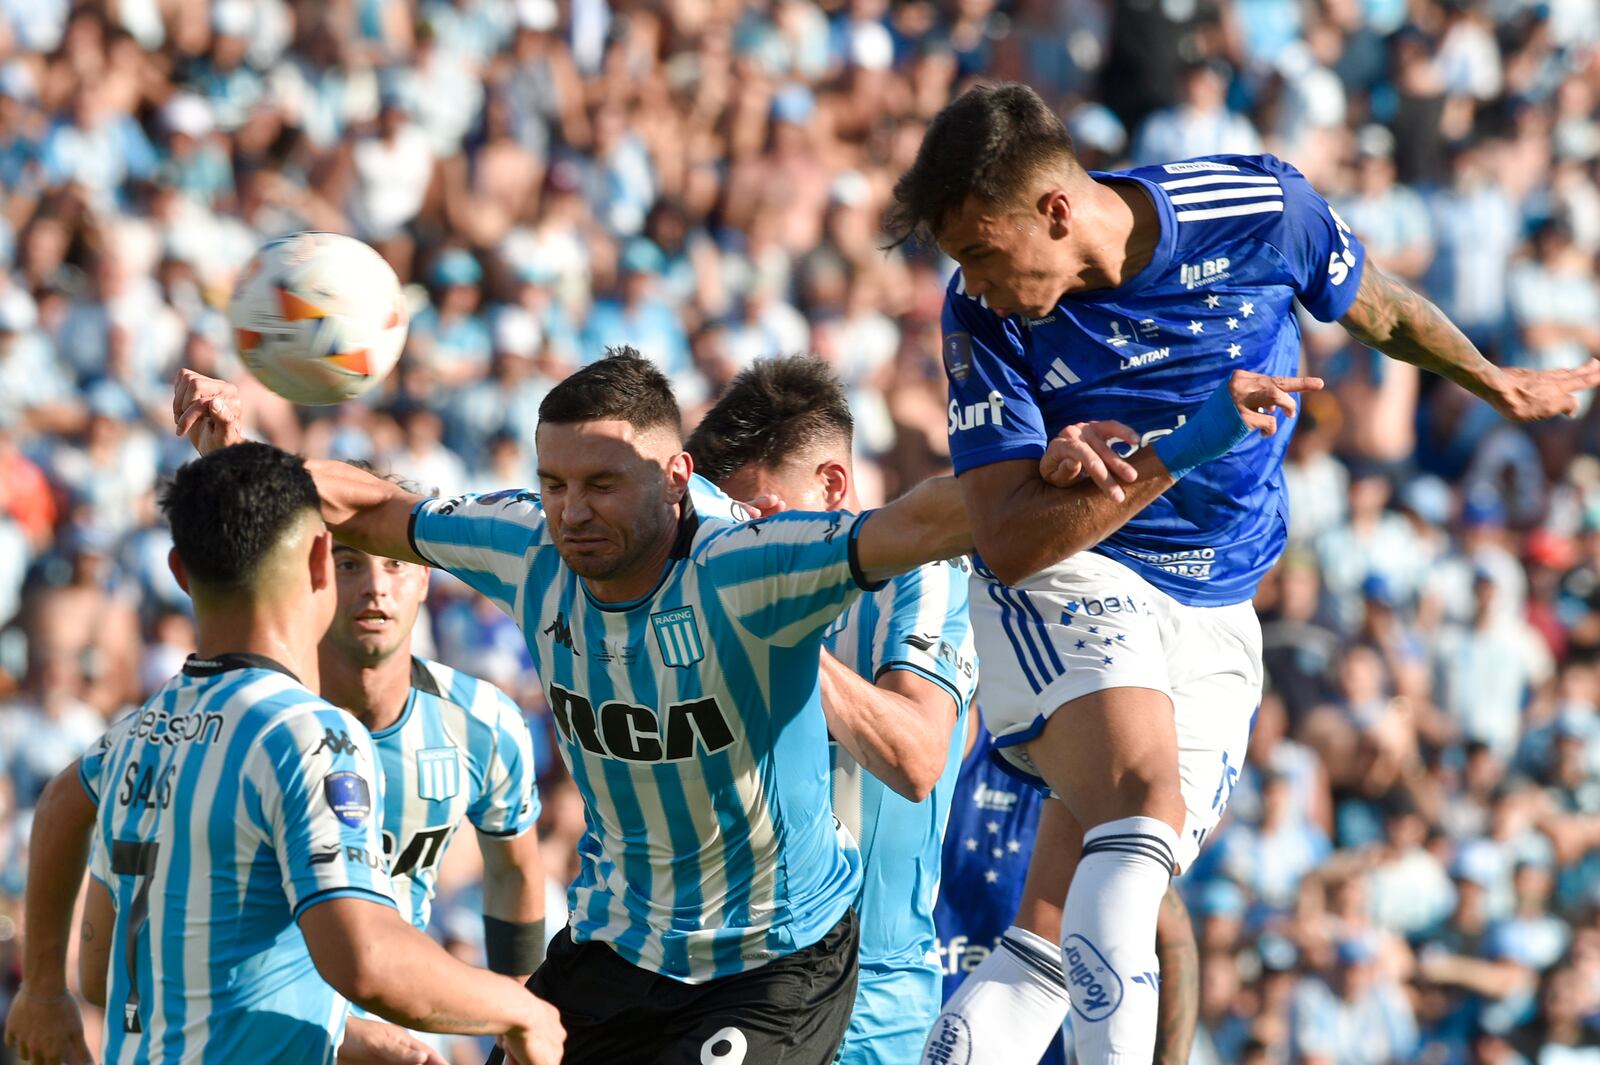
[[1141, 792]]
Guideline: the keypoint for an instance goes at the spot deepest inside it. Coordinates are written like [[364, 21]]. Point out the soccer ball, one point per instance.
[[318, 318]]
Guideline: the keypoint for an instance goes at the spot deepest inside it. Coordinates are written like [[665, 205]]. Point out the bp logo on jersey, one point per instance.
[[438, 773], [678, 636], [348, 795]]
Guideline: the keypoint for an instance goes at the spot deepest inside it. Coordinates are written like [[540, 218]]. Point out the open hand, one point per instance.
[[1528, 395], [207, 411], [370, 1042]]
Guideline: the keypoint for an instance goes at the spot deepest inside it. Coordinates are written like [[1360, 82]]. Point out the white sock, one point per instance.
[[1108, 939], [1007, 1011]]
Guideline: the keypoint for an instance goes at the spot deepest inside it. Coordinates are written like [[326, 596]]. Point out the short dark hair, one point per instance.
[[623, 385], [773, 409], [229, 510], [986, 144]]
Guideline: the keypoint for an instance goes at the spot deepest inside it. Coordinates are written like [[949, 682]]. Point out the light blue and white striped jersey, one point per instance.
[[691, 720], [229, 803], [460, 749], [916, 622]]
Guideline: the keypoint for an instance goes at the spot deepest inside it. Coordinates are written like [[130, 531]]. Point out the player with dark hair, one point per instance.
[[1126, 676], [895, 689], [236, 851], [679, 652]]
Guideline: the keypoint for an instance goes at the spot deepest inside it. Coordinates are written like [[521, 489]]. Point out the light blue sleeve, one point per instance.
[[314, 791], [509, 803], [785, 578], [482, 539], [923, 627]]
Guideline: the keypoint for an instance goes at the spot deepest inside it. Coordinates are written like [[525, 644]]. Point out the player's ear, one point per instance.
[[835, 482], [179, 574], [679, 469], [1056, 206], [321, 561]]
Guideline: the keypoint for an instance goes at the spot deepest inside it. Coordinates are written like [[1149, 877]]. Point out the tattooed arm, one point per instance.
[[1178, 1011], [94, 942], [1404, 325]]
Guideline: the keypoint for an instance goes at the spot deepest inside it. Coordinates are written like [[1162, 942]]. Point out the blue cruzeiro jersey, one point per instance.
[[460, 749], [1241, 238], [228, 804], [993, 820], [691, 720], [916, 622]]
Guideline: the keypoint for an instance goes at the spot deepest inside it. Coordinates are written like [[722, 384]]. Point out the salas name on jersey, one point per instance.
[[691, 722], [232, 801], [1241, 239]]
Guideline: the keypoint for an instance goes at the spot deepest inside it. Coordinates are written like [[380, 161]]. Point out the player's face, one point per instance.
[[799, 486], [1009, 257], [606, 495], [378, 603]]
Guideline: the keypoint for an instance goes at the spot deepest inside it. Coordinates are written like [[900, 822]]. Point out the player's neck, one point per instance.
[[267, 630], [1120, 230], [375, 694]]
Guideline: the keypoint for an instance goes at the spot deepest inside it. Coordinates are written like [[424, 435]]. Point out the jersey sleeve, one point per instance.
[[92, 767], [785, 578], [712, 502], [1324, 258], [923, 628], [482, 539], [319, 799], [509, 803], [992, 416]]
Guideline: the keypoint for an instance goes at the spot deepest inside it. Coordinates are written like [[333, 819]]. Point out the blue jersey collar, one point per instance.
[[1159, 259]]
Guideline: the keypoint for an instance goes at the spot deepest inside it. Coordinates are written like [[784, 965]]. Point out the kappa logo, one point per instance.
[[561, 633], [1094, 986], [1206, 272], [337, 742]]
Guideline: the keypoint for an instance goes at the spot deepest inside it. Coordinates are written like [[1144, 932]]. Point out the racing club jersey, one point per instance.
[[993, 820], [1241, 238]]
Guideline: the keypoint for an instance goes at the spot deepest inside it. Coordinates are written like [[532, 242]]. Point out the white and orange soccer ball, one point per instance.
[[318, 318]]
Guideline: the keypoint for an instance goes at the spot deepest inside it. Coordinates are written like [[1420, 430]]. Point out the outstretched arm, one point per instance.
[[1020, 516], [1403, 324], [362, 510]]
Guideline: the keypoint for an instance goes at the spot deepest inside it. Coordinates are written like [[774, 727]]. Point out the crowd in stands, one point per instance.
[[1410, 870]]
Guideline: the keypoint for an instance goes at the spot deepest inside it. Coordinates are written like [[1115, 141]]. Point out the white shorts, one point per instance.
[[1091, 623]]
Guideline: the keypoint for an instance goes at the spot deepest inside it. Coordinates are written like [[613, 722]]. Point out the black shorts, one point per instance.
[[791, 1011]]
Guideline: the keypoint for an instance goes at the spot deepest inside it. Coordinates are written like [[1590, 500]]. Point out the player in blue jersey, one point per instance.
[[1126, 676], [993, 820], [896, 687], [237, 853]]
